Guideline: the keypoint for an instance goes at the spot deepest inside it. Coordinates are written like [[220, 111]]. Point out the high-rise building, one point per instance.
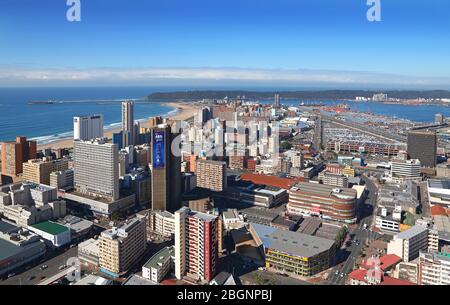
[[120, 248], [39, 170], [96, 168], [128, 123], [155, 121], [277, 103], [407, 244], [422, 145], [196, 245], [439, 118], [88, 127], [318, 133], [166, 170], [211, 174], [434, 268], [62, 179], [14, 154]]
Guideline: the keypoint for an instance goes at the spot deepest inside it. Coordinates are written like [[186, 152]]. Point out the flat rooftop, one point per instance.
[[323, 190], [293, 243], [411, 232], [50, 227], [160, 257]]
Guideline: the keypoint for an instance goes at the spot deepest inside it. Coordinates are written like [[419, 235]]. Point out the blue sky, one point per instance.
[[316, 42]]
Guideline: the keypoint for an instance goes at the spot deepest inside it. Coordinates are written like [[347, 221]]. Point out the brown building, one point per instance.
[[155, 121], [422, 145], [14, 154], [166, 171], [38, 171], [211, 175]]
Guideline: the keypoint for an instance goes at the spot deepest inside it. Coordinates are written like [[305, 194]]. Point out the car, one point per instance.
[[62, 267], [337, 272], [43, 277], [342, 274], [11, 275], [43, 267], [31, 278], [261, 269]]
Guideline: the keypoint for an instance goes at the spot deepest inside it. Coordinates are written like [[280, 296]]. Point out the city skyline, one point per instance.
[[327, 44]]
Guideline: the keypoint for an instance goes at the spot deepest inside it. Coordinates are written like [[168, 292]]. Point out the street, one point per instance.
[[360, 235]]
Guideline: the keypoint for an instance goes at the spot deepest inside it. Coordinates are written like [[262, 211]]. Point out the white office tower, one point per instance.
[[128, 122], [88, 127], [96, 168]]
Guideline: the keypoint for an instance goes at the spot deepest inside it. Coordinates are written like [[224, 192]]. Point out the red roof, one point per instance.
[[438, 210], [386, 261], [360, 275], [284, 183]]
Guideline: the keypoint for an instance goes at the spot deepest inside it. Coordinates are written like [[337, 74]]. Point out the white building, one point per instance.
[[434, 268], [88, 127], [404, 170], [157, 267], [162, 223], [96, 168], [232, 219], [388, 218], [407, 244], [58, 235]]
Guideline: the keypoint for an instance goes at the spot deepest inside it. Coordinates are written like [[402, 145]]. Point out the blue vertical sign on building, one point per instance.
[[158, 149]]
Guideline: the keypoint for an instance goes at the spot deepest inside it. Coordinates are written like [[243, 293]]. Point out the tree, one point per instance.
[[285, 145]]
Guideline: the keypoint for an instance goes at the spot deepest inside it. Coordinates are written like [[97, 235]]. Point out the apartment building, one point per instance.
[[39, 170], [196, 245], [159, 265], [211, 175], [162, 223], [406, 170], [120, 248], [434, 268], [15, 153], [407, 244]]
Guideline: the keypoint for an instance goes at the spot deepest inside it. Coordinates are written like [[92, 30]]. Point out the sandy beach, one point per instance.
[[185, 111]]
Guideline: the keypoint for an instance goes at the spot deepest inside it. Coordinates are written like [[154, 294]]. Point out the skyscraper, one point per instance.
[[277, 103], [318, 133], [422, 145], [166, 170], [96, 168], [128, 123], [88, 127], [14, 154], [196, 245]]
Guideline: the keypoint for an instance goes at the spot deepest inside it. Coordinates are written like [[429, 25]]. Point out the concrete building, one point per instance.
[[162, 223], [58, 235], [407, 244], [17, 247], [388, 218], [120, 248], [196, 245], [325, 201], [232, 219], [29, 203], [211, 175], [166, 170], [62, 179], [88, 127], [157, 267], [96, 168], [292, 252], [404, 170], [434, 268], [14, 154], [128, 123], [89, 252], [422, 145], [39, 170], [439, 192], [333, 179], [263, 195]]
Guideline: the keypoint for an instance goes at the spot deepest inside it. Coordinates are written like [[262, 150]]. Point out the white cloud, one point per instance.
[[19, 75]]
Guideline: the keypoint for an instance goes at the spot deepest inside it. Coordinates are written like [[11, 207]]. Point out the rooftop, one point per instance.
[[292, 243], [160, 257], [50, 227], [324, 190], [411, 232]]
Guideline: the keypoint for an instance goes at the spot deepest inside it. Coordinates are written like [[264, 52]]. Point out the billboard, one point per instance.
[[158, 149]]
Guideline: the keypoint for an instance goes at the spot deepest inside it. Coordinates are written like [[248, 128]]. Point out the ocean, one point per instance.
[[48, 122]]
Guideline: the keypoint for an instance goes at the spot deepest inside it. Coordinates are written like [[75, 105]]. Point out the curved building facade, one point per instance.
[[325, 201]]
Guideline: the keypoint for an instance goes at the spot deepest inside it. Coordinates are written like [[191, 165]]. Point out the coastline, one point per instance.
[[182, 111]]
